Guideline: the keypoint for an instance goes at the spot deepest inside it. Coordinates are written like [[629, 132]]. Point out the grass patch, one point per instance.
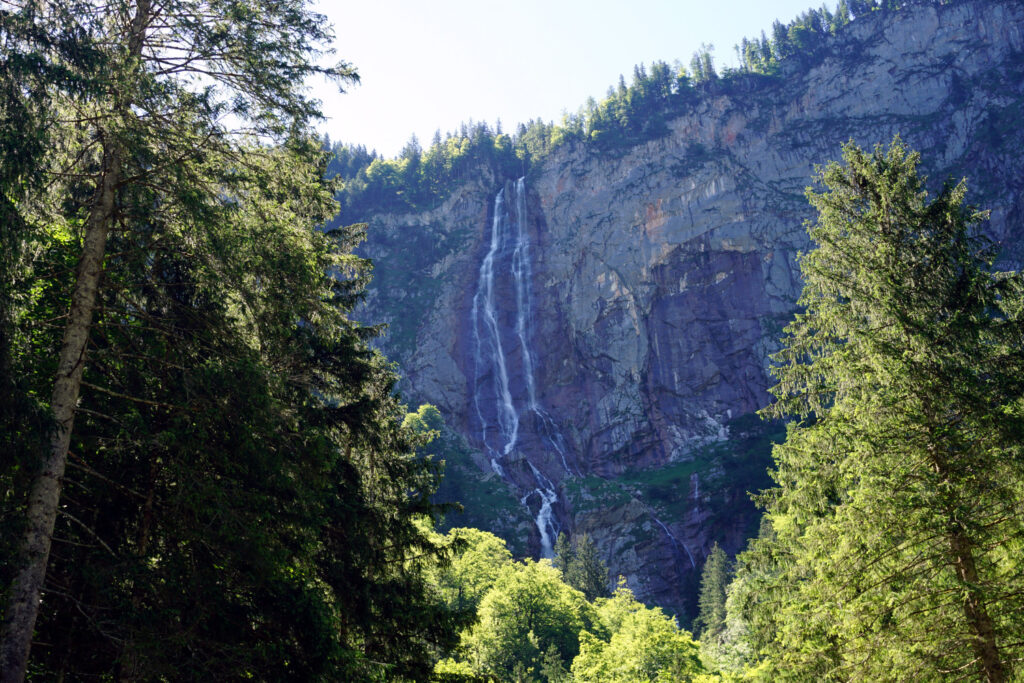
[[740, 463], [594, 493]]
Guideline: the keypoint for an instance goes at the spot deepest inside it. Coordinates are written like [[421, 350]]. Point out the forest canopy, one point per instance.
[[208, 476], [632, 112], [890, 548]]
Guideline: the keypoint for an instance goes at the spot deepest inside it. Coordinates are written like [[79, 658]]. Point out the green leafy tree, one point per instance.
[[152, 111], [564, 554], [754, 593], [426, 424], [239, 498], [40, 53], [861, 7], [644, 645], [552, 668], [841, 18], [897, 513], [229, 470], [584, 569], [472, 571], [702, 65], [528, 611]]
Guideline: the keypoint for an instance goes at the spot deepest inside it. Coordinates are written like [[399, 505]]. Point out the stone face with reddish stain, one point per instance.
[[663, 275]]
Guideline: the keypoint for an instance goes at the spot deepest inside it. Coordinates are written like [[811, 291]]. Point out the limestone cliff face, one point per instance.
[[662, 275]]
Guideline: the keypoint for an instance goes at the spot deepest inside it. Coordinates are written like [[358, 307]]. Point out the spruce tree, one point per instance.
[[564, 554], [897, 518], [710, 621], [584, 570]]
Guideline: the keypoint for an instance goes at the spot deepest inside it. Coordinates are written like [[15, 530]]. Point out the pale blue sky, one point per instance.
[[428, 65]]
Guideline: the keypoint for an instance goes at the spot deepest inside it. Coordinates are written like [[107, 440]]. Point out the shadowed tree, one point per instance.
[[581, 566], [710, 621], [227, 489]]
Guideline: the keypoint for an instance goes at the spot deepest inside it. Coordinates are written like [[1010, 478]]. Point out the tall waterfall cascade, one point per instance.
[[508, 416]]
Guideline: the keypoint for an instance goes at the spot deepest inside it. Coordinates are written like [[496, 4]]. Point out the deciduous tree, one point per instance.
[[528, 611], [644, 645]]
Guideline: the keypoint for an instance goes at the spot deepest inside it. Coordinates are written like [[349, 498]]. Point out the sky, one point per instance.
[[431, 65]]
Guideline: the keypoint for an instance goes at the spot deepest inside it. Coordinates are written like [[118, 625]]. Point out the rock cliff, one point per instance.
[[661, 276]]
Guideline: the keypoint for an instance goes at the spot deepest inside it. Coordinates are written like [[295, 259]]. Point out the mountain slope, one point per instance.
[[660, 276]]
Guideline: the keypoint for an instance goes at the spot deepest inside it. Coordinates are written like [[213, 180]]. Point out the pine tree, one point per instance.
[[841, 17], [710, 621], [38, 50], [860, 8], [564, 554], [897, 519], [584, 570]]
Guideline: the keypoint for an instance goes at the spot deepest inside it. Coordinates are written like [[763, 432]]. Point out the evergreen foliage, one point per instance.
[[710, 621], [563, 553], [420, 179], [896, 526], [240, 499], [241, 496], [630, 114], [36, 54], [581, 566]]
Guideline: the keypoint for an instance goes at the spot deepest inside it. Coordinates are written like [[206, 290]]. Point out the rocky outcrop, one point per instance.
[[663, 275]]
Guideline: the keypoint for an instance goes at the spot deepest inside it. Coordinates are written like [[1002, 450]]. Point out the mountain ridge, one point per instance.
[[664, 272]]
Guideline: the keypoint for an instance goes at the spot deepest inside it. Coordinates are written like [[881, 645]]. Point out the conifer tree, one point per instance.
[[227, 491], [581, 566], [710, 621], [564, 554], [897, 521]]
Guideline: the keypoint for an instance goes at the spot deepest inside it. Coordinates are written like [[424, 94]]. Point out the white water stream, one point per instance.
[[489, 351], [675, 542], [505, 391], [496, 394]]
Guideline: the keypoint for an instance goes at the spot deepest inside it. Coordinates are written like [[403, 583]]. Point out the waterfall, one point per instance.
[[675, 542], [489, 353], [509, 414], [545, 522], [522, 272], [521, 276], [504, 386]]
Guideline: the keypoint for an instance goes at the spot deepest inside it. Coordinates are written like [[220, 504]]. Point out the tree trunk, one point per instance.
[[23, 600], [983, 640], [980, 627]]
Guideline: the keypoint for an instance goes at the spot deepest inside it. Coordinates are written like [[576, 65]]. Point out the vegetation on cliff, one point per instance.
[[630, 114], [232, 489], [889, 548]]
